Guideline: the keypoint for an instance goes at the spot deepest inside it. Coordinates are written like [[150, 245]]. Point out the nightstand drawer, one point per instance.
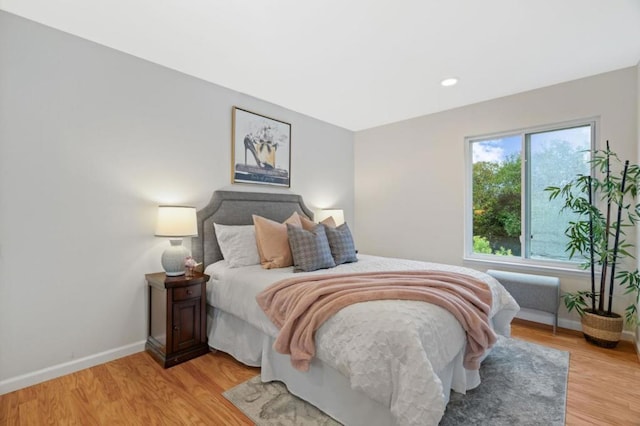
[[184, 293]]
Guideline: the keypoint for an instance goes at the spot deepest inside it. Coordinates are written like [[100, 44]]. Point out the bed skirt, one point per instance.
[[322, 386]]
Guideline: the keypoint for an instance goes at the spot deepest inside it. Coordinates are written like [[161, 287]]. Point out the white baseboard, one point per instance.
[[546, 318], [627, 335], [536, 316], [35, 377]]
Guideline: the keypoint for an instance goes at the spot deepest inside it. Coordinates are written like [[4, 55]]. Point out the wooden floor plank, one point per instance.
[[9, 408], [603, 389], [602, 386]]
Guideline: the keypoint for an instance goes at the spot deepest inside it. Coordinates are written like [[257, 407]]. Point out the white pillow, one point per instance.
[[238, 244]]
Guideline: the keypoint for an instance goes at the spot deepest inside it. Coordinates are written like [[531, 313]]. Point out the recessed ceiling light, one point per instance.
[[449, 82]]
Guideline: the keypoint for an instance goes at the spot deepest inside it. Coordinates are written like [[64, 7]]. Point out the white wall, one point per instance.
[[410, 175], [91, 141]]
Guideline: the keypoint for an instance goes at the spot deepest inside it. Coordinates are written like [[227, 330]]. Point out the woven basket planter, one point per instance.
[[602, 330]]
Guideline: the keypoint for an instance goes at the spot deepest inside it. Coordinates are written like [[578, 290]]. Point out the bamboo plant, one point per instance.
[[598, 237]]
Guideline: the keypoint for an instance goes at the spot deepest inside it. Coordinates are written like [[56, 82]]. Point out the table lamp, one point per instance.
[[176, 222]]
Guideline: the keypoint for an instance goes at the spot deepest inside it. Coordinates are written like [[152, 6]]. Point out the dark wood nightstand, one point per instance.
[[177, 317]]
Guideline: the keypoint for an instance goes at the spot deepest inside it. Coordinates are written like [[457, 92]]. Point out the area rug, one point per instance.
[[522, 384]]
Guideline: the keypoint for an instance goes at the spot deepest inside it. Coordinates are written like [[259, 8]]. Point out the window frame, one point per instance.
[[522, 260]]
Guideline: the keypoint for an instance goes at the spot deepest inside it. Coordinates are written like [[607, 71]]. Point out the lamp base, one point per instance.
[[173, 258]]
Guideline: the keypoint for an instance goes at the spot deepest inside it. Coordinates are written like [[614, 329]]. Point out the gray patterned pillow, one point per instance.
[[341, 243], [310, 249]]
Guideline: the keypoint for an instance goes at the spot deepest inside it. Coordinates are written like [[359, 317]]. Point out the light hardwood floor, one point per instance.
[[604, 389]]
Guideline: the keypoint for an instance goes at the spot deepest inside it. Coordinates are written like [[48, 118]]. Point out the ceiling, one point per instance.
[[361, 63]]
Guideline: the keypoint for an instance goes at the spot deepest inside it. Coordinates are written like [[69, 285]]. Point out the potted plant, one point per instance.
[[605, 206]]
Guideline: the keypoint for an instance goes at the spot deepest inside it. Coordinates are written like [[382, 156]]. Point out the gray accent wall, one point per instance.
[[91, 141]]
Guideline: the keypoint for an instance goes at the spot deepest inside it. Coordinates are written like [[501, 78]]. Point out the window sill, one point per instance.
[[527, 266]]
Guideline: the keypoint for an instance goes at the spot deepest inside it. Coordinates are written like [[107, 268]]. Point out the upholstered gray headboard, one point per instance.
[[236, 208]]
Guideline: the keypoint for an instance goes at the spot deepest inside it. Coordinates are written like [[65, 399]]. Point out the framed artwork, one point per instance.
[[261, 149]]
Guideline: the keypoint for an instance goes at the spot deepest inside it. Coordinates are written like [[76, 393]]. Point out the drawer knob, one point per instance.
[[176, 328], [189, 292]]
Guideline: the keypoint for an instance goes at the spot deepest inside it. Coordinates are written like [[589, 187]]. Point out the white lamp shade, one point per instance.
[[176, 221], [337, 214]]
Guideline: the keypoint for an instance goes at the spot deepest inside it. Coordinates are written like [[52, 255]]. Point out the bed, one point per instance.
[[377, 363]]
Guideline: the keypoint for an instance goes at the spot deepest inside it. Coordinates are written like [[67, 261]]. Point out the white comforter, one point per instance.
[[388, 349]]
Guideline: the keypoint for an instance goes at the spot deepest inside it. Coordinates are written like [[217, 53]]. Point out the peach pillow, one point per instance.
[[309, 225], [273, 242], [330, 222]]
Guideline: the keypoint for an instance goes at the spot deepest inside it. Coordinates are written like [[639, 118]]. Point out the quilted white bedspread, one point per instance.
[[389, 349]]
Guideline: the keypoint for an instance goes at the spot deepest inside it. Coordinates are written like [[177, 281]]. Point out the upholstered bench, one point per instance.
[[536, 292]]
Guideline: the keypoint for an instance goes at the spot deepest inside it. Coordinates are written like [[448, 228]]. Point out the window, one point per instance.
[[509, 215]]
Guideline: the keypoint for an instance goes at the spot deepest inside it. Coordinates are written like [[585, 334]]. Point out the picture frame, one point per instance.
[[260, 149]]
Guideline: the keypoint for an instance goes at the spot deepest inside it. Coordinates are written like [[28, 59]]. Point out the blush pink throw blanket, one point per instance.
[[299, 306]]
